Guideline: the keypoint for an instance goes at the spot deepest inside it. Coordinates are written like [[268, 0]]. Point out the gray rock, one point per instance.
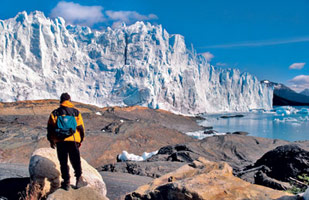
[[149, 169], [11, 170], [209, 132], [262, 179], [231, 116], [45, 167], [119, 184], [276, 167], [240, 133], [81, 193], [285, 162]]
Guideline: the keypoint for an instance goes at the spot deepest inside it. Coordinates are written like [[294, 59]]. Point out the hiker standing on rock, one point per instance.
[[66, 131]]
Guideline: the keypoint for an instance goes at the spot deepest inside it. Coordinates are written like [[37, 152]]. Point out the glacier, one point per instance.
[[141, 64]]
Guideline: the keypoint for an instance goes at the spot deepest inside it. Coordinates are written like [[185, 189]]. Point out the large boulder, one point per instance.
[[279, 168], [203, 179], [285, 161], [44, 169]]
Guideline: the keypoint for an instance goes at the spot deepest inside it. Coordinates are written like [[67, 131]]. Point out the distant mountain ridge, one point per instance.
[[141, 64], [283, 95], [305, 92]]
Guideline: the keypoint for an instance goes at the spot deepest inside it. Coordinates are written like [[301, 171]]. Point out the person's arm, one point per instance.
[[80, 127], [50, 130]]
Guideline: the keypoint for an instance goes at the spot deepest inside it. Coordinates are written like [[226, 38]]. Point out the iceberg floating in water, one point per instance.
[[289, 110], [303, 111], [288, 119], [268, 124], [291, 114], [201, 135], [285, 110]]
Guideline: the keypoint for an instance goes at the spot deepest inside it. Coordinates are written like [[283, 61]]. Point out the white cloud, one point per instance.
[[127, 17], [300, 82], [75, 13], [297, 66], [301, 79], [208, 56]]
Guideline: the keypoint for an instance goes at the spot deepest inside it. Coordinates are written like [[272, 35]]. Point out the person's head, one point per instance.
[[65, 97]]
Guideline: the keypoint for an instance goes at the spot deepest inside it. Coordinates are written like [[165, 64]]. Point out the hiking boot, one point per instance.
[[80, 182], [65, 185]]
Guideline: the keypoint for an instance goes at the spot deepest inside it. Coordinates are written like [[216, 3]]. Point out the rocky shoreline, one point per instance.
[[268, 162]]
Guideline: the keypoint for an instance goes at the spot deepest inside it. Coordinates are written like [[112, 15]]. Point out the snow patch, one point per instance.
[[125, 156]]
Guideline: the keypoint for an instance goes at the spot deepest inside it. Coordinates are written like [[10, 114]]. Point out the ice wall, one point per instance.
[[140, 64]]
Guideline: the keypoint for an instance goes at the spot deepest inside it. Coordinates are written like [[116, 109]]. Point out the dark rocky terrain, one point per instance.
[[248, 156], [134, 129], [109, 131], [280, 167]]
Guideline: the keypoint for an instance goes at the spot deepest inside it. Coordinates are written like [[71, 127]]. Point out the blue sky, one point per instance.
[[269, 39]]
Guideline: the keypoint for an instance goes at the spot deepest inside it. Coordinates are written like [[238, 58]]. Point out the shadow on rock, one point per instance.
[[278, 167], [13, 188]]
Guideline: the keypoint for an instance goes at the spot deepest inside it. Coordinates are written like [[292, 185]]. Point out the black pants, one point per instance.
[[65, 150]]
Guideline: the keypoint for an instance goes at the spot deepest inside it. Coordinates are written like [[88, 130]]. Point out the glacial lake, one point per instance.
[[285, 122]]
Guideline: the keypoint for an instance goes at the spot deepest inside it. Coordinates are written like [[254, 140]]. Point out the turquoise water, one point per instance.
[[286, 123]]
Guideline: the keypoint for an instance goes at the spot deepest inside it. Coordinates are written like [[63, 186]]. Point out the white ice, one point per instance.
[[125, 156], [289, 114], [200, 134], [141, 64], [285, 110]]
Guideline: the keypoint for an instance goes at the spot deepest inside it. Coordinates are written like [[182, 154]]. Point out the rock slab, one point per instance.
[[44, 170], [203, 179]]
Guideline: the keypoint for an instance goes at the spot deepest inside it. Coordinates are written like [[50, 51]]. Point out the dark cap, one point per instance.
[[64, 97]]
